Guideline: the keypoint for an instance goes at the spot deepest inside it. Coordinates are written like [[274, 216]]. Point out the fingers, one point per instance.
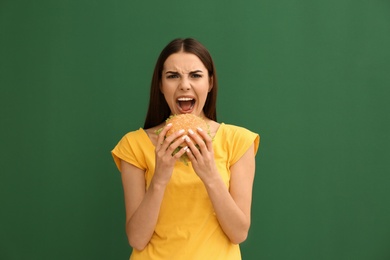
[[169, 146], [161, 135], [199, 143], [195, 144], [180, 152], [201, 138], [175, 145]]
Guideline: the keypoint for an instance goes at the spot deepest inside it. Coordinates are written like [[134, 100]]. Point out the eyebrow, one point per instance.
[[191, 72]]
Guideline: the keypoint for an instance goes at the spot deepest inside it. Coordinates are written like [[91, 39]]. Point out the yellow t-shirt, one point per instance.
[[187, 227]]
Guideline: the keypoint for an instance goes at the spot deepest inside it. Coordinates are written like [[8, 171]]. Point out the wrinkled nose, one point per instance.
[[185, 84]]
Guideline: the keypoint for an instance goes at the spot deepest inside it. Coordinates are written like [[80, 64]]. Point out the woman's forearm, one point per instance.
[[234, 222], [141, 225]]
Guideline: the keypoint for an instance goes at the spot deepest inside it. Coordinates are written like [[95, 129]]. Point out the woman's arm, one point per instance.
[[233, 206], [143, 206]]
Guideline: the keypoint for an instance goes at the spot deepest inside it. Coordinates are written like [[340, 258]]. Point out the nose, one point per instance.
[[185, 84]]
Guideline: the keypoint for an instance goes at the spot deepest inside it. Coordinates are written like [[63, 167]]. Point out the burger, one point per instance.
[[185, 122]]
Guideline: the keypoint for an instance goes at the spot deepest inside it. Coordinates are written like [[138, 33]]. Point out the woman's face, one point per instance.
[[185, 83]]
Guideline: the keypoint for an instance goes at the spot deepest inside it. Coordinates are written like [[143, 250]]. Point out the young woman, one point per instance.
[[177, 211]]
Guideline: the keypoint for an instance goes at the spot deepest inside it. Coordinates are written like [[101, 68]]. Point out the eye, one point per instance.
[[196, 75], [172, 76]]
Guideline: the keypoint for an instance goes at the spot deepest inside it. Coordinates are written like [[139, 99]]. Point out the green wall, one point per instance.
[[312, 77]]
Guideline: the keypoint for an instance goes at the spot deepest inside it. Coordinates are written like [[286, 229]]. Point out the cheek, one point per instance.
[[202, 95], [207, 87], [165, 88]]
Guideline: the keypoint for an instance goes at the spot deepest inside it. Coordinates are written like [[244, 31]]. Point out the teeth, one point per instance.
[[184, 99]]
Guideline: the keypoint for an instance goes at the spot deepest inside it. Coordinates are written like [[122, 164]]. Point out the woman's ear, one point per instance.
[[211, 83]]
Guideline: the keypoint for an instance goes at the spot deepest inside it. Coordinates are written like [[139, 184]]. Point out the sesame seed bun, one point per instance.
[[186, 122]]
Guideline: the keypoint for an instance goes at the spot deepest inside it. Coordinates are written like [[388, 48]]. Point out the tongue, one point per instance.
[[185, 105]]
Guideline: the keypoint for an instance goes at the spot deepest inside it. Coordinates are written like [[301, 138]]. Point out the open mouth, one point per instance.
[[185, 104]]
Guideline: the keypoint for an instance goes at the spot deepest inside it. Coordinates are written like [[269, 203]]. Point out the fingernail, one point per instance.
[[169, 124], [184, 137], [181, 131], [185, 148], [190, 131], [200, 129]]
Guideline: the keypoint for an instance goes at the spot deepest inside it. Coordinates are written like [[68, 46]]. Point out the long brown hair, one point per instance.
[[158, 109]]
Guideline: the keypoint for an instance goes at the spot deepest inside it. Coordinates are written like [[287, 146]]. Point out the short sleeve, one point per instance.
[[241, 139], [129, 150]]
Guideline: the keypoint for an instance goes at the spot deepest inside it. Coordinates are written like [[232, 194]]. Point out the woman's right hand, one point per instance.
[[165, 147], [143, 205]]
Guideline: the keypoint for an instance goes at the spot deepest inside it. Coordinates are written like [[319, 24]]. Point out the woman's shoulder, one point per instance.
[[135, 133], [238, 136], [134, 137], [231, 132], [234, 129]]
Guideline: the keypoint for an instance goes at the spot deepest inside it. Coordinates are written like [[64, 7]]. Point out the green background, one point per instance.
[[312, 77]]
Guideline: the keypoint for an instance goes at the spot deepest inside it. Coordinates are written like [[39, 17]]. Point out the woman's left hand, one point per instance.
[[202, 159], [231, 204]]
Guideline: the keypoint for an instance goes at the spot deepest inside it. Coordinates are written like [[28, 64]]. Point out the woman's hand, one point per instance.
[[231, 205], [165, 160], [202, 159], [143, 206]]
